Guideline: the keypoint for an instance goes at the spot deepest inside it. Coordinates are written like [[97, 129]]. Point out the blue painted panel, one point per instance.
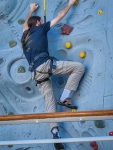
[[93, 34], [16, 83], [18, 94]]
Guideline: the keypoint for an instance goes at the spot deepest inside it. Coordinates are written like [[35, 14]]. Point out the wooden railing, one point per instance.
[[58, 116]]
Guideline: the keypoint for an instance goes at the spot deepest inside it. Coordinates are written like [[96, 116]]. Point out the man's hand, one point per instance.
[[71, 2], [62, 13], [33, 7]]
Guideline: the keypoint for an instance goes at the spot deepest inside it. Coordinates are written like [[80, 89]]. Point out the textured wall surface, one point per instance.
[[93, 33]]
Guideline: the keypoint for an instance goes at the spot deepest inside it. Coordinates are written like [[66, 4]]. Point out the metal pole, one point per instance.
[[48, 141], [44, 1]]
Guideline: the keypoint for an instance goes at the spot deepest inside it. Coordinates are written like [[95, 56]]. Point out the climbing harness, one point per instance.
[[52, 66], [49, 72]]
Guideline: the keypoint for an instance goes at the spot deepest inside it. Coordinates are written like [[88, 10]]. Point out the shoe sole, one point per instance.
[[68, 106]]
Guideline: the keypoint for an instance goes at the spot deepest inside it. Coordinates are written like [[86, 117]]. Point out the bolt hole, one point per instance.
[[28, 88]]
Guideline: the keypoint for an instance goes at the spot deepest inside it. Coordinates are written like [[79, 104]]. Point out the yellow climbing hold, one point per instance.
[[73, 110], [68, 45], [82, 54], [76, 2], [100, 12]]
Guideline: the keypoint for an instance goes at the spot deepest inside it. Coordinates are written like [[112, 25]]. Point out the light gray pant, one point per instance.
[[75, 71]]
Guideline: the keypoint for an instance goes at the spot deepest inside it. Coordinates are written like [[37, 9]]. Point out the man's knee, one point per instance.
[[81, 68]]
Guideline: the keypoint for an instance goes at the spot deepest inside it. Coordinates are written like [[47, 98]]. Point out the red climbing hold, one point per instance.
[[111, 133], [93, 144], [96, 147], [66, 29]]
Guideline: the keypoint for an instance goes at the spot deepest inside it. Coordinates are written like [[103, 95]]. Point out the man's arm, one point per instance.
[[62, 13], [33, 7]]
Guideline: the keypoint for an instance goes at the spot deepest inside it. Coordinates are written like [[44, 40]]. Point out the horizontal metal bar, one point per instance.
[[66, 140], [48, 120]]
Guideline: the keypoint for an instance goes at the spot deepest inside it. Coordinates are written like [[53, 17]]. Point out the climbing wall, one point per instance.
[[90, 43]]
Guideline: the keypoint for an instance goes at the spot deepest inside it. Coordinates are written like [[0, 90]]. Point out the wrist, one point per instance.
[[31, 11], [70, 4]]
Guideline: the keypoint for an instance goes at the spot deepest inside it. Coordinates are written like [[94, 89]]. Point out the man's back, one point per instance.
[[37, 43]]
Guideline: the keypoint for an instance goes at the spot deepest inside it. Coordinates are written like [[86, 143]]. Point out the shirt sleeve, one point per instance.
[[46, 26]]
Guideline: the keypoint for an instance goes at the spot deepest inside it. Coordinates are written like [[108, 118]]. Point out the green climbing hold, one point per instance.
[[21, 21], [21, 69], [99, 124], [12, 43], [10, 113]]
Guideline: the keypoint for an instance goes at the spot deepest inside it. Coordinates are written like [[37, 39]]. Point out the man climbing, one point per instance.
[[35, 47]]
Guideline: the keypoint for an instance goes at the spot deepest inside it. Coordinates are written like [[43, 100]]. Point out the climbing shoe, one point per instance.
[[67, 105], [58, 146]]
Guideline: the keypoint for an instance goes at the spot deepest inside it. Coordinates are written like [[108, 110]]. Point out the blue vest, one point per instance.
[[36, 47]]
